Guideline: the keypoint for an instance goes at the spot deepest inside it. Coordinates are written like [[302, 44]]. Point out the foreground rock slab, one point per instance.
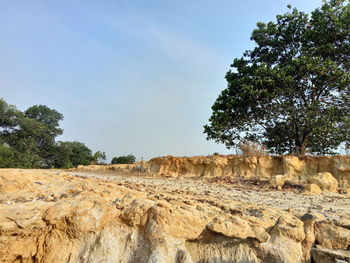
[[51, 216]]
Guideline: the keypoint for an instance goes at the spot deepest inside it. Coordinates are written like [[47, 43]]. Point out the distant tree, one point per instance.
[[99, 157], [27, 140], [30, 134], [292, 91], [47, 130], [124, 159], [72, 154]]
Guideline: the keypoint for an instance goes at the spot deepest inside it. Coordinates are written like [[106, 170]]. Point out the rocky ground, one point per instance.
[[332, 206], [102, 216]]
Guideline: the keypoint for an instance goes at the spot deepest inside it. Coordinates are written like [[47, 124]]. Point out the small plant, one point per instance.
[[250, 148]]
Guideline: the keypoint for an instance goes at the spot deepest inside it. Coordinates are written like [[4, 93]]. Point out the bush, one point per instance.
[[250, 148], [72, 154], [124, 159]]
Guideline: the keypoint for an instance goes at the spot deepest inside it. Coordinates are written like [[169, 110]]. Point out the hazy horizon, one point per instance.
[[130, 77]]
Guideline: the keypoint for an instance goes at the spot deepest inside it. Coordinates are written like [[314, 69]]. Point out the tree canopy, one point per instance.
[[30, 134], [292, 91], [28, 140], [124, 159], [99, 157], [72, 154]]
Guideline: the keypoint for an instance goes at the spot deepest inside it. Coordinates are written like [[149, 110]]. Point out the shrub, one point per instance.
[[250, 148], [124, 159]]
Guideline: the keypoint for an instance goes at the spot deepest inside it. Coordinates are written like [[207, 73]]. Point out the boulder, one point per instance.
[[285, 240], [325, 181], [277, 181], [289, 226], [312, 189], [331, 236], [234, 227]]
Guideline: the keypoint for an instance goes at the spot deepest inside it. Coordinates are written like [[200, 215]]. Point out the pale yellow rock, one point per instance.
[[135, 214], [232, 227], [325, 181], [330, 236], [309, 225], [11, 181], [289, 226], [277, 181], [347, 190], [285, 243], [312, 189], [260, 234]]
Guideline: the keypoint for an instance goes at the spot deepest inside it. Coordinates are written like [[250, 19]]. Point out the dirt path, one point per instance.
[[332, 206]]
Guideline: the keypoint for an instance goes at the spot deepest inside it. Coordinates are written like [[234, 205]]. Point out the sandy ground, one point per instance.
[[332, 206]]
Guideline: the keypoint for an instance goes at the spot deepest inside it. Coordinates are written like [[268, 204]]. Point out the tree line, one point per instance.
[[28, 140]]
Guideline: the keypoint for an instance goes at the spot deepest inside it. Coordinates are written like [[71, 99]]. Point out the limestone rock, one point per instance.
[[277, 181], [324, 255], [331, 236], [289, 226], [135, 214], [309, 225], [232, 227], [285, 244], [325, 181], [312, 189]]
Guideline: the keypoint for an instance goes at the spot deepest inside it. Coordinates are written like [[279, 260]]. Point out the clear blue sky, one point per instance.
[[129, 76]]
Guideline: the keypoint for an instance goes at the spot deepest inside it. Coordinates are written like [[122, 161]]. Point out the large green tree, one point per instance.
[[47, 130], [292, 91], [28, 136], [32, 133], [28, 140]]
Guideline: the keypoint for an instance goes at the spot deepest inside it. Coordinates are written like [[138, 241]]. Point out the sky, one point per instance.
[[130, 76]]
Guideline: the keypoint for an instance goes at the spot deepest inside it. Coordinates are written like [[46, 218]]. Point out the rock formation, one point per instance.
[[297, 169], [61, 217]]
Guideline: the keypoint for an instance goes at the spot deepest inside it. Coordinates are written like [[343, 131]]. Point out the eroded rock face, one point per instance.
[[292, 168], [55, 217]]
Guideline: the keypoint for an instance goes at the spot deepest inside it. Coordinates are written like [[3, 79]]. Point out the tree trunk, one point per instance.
[[302, 145]]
